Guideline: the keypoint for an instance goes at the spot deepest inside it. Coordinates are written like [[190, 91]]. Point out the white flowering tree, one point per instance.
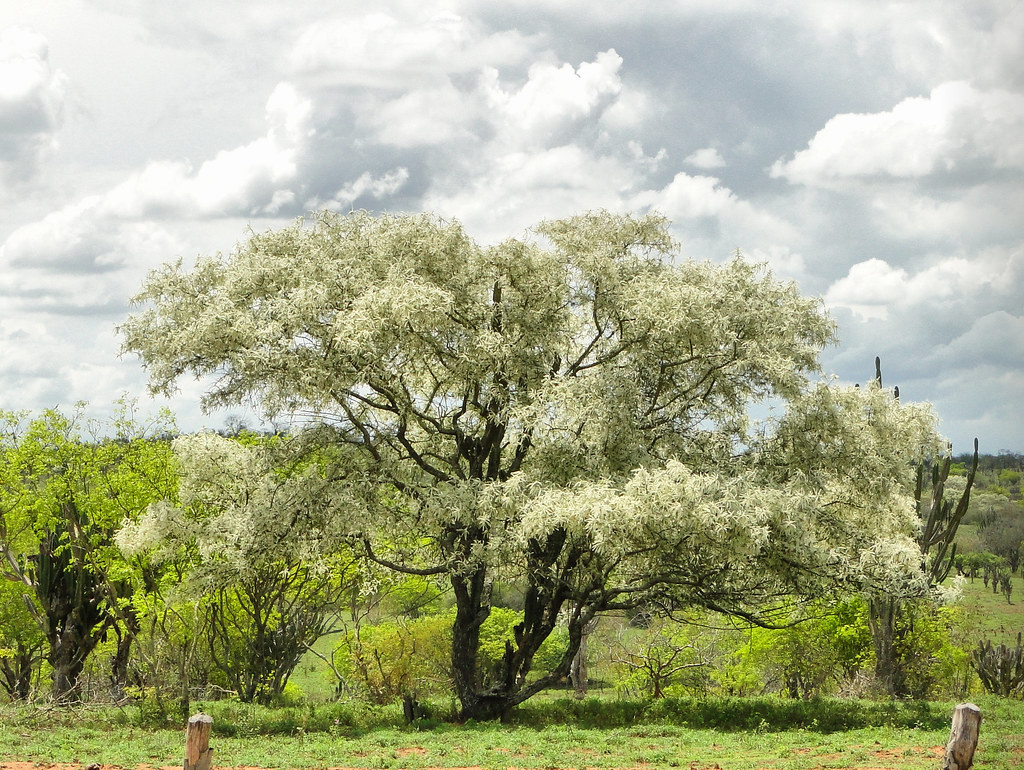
[[254, 532], [568, 412]]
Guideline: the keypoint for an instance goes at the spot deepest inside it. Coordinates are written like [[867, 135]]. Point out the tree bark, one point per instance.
[[17, 671], [578, 670], [471, 610], [197, 743], [882, 616], [963, 737]]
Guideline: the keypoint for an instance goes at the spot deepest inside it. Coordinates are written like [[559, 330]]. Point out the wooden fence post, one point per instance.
[[963, 737], [197, 742]]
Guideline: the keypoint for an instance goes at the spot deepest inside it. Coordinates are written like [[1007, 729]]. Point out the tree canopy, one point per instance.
[[569, 412], [66, 486]]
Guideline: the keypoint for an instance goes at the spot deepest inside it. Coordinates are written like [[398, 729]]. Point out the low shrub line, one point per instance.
[[765, 714]]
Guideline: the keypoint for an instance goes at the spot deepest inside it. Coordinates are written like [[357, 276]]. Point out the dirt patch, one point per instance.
[[411, 751]]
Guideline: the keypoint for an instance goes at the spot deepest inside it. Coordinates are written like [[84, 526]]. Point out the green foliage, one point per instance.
[[21, 640], [253, 532], [665, 658], [815, 656], [749, 713], [386, 661], [935, 648], [413, 595], [1003, 534], [66, 486]]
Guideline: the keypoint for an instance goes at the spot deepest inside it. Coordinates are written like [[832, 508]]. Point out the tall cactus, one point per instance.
[[1001, 668], [73, 600], [940, 519]]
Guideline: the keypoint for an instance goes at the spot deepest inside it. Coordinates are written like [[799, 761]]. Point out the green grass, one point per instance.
[[592, 736], [995, 618]]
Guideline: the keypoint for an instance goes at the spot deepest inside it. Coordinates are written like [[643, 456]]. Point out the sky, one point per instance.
[[871, 152]]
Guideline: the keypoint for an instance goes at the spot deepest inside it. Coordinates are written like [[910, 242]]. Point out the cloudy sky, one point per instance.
[[872, 152]]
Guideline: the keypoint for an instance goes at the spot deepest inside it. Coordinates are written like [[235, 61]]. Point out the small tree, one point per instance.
[[22, 643], [65, 488], [663, 658], [252, 534], [1004, 534]]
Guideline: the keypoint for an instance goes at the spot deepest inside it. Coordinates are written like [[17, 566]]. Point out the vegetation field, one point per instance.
[[731, 734], [992, 616]]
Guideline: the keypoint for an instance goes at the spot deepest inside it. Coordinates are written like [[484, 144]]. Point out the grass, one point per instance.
[[684, 733], [995, 618]]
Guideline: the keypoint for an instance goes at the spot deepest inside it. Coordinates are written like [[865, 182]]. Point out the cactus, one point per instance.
[[1001, 668], [73, 601], [940, 520]]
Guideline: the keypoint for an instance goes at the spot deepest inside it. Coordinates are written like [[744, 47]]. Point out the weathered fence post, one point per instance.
[[963, 737], [197, 742]]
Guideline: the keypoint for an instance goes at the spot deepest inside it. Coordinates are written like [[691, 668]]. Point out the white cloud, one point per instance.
[[691, 197], [993, 337], [378, 187], [385, 50], [975, 216], [31, 102], [553, 100], [432, 115], [89, 235], [955, 125], [706, 158], [519, 189], [537, 155], [713, 221], [872, 289]]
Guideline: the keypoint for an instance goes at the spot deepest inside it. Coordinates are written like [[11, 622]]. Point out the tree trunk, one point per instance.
[[68, 652], [471, 610], [17, 672], [73, 599], [578, 670], [122, 655], [963, 737], [66, 670], [882, 618], [197, 743]]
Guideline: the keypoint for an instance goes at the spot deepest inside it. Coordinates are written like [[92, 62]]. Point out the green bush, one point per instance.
[[814, 657], [389, 660], [727, 713]]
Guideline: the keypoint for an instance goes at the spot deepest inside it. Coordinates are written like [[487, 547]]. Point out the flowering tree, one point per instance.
[[253, 533], [569, 412]]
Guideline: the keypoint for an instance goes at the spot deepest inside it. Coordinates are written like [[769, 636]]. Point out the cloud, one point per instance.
[[387, 51], [705, 158], [953, 126], [713, 222], [691, 197], [519, 189], [367, 185], [554, 100], [247, 180], [430, 116], [540, 148], [993, 338], [32, 97], [101, 233], [873, 288]]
